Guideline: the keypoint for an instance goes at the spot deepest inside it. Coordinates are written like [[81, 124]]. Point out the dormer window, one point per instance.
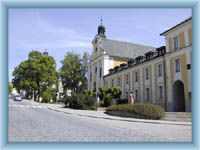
[[161, 50]]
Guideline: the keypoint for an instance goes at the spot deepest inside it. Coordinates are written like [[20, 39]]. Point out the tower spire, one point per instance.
[[101, 29]]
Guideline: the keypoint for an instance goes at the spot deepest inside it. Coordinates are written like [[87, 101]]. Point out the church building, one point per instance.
[[155, 75], [109, 53]]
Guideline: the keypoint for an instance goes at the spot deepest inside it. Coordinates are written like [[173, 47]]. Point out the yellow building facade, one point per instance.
[[157, 75], [178, 64]]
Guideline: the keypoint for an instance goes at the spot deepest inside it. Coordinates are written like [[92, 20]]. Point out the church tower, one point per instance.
[[101, 30]]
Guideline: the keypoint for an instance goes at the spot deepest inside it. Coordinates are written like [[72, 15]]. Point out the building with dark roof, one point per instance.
[[109, 53], [161, 76]]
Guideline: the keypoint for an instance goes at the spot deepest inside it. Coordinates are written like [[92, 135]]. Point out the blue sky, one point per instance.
[[63, 30]]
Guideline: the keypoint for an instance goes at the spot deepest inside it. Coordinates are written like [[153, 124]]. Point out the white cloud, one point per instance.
[[40, 33]]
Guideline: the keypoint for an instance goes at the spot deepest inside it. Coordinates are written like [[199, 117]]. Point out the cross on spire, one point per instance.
[[101, 21]]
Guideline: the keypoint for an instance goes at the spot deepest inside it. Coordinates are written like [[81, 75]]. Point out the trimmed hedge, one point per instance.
[[143, 111]]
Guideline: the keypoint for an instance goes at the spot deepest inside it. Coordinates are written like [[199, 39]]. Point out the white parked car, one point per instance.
[[17, 98]]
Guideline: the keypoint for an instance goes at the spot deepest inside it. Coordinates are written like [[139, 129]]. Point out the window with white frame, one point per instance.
[[147, 73], [177, 65], [147, 93], [175, 42], [160, 88], [136, 76], [159, 70]]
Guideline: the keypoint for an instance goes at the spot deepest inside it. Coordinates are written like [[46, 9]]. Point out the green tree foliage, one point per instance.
[[71, 72], [35, 75], [84, 68], [86, 92], [106, 95], [48, 95], [10, 87], [102, 93], [116, 93]]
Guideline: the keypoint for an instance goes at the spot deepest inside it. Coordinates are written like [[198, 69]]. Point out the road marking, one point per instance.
[[27, 106]]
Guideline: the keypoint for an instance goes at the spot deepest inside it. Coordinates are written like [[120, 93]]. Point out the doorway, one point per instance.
[[179, 96]]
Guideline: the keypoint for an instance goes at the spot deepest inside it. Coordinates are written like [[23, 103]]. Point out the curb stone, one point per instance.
[[122, 118]]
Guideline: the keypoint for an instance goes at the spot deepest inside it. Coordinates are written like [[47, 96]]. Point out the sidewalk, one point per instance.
[[101, 115]]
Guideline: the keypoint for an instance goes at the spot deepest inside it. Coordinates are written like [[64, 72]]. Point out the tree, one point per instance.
[[35, 75], [102, 93], [84, 70], [116, 93], [10, 87], [71, 72]]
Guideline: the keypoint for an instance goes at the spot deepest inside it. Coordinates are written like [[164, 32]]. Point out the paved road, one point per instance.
[[29, 122]]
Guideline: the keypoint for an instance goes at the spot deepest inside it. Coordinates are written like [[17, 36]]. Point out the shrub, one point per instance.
[[79, 101], [48, 95], [107, 101], [144, 111]]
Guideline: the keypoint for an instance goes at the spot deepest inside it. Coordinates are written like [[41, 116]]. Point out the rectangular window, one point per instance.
[[90, 76], [112, 82], [136, 95], [160, 70], [95, 69], [127, 79], [160, 91], [175, 42], [147, 73], [94, 89], [126, 94], [100, 70], [119, 81], [177, 65], [147, 93], [136, 76]]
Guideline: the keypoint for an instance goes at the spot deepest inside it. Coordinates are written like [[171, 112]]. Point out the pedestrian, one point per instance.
[[132, 96]]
